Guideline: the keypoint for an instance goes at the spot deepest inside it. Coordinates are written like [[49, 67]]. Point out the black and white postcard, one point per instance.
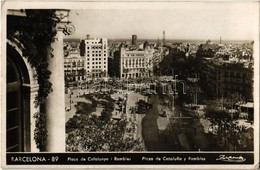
[[131, 84]]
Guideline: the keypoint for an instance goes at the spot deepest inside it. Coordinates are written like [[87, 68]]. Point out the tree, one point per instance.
[[231, 100], [98, 135], [105, 115], [225, 128], [216, 113]]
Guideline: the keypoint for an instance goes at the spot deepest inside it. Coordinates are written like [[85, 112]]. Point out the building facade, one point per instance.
[[136, 63], [96, 57], [74, 67], [226, 79]]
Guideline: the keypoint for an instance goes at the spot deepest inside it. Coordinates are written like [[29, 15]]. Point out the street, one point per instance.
[[171, 133]]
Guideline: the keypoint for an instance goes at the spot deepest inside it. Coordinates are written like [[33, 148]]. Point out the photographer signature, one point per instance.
[[231, 158]]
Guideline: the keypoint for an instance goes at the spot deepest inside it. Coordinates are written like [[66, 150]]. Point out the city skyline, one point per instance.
[[180, 21]]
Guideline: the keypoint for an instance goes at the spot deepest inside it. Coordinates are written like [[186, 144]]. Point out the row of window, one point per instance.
[[96, 75], [74, 71], [132, 75], [69, 65], [73, 68], [132, 55], [92, 42], [135, 70], [240, 73], [226, 74], [134, 59], [96, 63], [96, 47], [96, 59], [73, 61], [93, 55], [75, 78], [142, 65], [99, 51], [88, 67], [132, 63]]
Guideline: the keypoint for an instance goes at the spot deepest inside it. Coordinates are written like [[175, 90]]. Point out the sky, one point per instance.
[[190, 20]]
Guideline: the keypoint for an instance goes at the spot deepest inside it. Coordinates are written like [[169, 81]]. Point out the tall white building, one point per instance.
[[136, 63], [96, 57]]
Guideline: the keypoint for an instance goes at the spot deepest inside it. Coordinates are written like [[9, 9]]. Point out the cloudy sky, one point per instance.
[[190, 20]]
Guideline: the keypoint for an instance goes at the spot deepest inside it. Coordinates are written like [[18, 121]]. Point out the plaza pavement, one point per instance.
[[75, 97]]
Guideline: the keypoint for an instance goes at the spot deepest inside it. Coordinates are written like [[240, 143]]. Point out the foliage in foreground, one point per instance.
[[95, 134], [225, 128]]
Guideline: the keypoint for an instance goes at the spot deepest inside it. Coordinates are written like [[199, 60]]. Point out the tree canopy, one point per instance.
[[95, 134]]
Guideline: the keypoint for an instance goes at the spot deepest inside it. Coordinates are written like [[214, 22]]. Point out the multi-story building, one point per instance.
[[74, 67], [226, 78], [96, 57], [158, 55], [136, 63]]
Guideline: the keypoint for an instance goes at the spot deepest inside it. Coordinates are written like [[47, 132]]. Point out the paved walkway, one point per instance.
[[71, 101], [131, 100]]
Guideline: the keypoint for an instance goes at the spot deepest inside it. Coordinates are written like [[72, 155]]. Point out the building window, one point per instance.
[[17, 103]]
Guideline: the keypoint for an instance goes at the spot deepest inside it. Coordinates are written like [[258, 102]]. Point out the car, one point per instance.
[[67, 108]]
